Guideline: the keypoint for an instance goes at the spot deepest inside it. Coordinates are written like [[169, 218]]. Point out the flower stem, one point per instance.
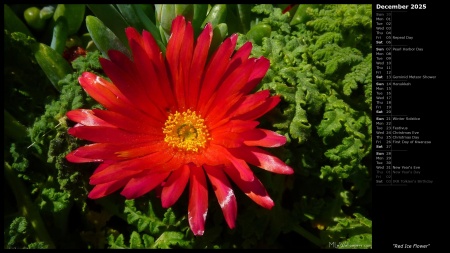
[[303, 232], [26, 207]]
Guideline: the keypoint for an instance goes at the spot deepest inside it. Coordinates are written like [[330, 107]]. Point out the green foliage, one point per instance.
[[165, 241], [351, 233], [39, 158], [18, 236], [16, 231], [54, 201], [321, 67], [152, 232], [104, 38]]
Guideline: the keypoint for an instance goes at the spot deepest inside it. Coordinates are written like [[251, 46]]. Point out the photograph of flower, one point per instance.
[[188, 126]]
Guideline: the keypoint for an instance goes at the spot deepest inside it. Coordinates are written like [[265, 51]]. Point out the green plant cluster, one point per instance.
[[321, 66]]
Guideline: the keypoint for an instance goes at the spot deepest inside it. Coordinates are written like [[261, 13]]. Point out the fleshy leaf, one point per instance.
[[104, 38]]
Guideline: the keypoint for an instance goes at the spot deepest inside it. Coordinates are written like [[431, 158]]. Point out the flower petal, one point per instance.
[[260, 110], [198, 200], [264, 138], [212, 155], [229, 135], [250, 102], [147, 55], [102, 190], [112, 173], [215, 70], [103, 91], [157, 86], [71, 157], [131, 167], [113, 151], [146, 41], [108, 95], [262, 159], [174, 186], [234, 126], [242, 53], [111, 135], [197, 69], [125, 77], [141, 185], [104, 165], [235, 80], [245, 172], [228, 93], [224, 193], [144, 125], [254, 189], [228, 140], [179, 54], [259, 71], [87, 118]]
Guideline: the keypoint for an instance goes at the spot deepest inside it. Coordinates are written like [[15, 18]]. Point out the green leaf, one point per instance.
[[350, 232], [37, 245], [55, 201], [331, 123], [26, 207], [217, 15], [169, 217], [186, 10], [13, 23], [170, 238], [220, 32], [150, 26], [361, 74], [301, 15], [12, 127], [47, 12], [144, 222], [135, 241], [245, 16], [60, 35], [104, 38], [335, 58], [116, 243], [53, 64], [200, 11], [19, 236], [17, 231], [350, 149], [165, 13], [112, 19], [266, 9], [128, 12], [135, 16], [74, 15], [148, 241], [258, 32]]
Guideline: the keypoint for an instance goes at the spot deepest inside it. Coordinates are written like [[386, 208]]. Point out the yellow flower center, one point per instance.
[[186, 131]]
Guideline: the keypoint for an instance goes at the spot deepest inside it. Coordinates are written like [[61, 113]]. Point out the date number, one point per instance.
[[418, 6]]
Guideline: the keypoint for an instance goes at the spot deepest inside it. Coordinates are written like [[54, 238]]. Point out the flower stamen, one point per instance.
[[186, 131]]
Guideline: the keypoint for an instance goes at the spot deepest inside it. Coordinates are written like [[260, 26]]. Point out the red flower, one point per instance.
[[179, 118]]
